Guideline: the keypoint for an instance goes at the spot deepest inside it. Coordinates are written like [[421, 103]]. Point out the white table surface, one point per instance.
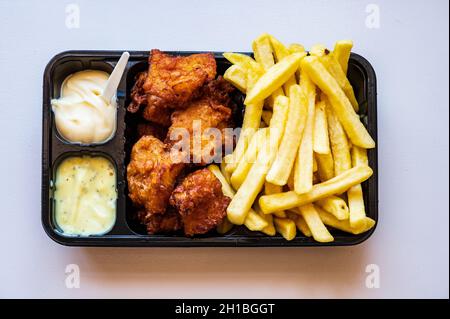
[[410, 53]]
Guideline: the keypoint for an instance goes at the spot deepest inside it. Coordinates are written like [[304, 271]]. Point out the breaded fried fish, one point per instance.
[[200, 202]]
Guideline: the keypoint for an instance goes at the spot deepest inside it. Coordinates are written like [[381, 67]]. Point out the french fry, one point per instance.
[[266, 116], [335, 206], [359, 156], [250, 124], [342, 50], [223, 170], [255, 222], [285, 227], [236, 76], [318, 50], [321, 139], [341, 105], [270, 228], [226, 188], [280, 52], [319, 232], [273, 78], [296, 48], [335, 69], [254, 181], [356, 206], [224, 227], [344, 225], [315, 168], [250, 155], [284, 161], [325, 166], [336, 185], [355, 193], [303, 176], [269, 189], [262, 50], [339, 144], [239, 59], [252, 117], [300, 223]]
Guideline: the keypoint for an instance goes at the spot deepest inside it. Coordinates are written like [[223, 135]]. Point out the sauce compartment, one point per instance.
[[127, 231], [66, 159]]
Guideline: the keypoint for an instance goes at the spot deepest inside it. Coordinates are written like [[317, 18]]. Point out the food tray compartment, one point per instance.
[[126, 231]]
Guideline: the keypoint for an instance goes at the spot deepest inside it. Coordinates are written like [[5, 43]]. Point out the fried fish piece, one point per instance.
[[170, 83], [173, 81], [151, 175], [212, 111], [168, 222], [200, 202]]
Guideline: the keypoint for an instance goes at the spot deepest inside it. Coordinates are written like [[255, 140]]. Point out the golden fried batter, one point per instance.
[[168, 222], [174, 80], [210, 111], [151, 175], [200, 202]]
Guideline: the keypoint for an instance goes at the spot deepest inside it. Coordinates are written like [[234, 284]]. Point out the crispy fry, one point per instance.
[[296, 47], [342, 50], [250, 124], [224, 227], [321, 139], [285, 227], [254, 181], [280, 52], [223, 170], [336, 185], [266, 116], [285, 157], [339, 75], [325, 166], [226, 188], [299, 222], [270, 228], [273, 78], [318, 50], [303, 176], [335, 206], [355, 193], [269, 189], [252, 221], [255, 222], [262, 50], [359, 156], [252, 118], [344, 111], [356, 206], [236, 76], [239, 59], [344, 225], [239, 175], [339, 143], [319, 232], [315, 168]]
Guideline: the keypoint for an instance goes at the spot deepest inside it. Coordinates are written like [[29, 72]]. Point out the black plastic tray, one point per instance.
[[127, 232]]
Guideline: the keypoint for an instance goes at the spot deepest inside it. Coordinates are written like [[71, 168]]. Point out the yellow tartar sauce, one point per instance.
[[85, 195]]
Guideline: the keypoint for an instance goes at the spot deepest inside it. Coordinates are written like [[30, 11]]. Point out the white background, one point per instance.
[[410, 53]]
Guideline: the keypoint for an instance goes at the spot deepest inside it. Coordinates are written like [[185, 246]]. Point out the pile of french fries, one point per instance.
[[302, 153]]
